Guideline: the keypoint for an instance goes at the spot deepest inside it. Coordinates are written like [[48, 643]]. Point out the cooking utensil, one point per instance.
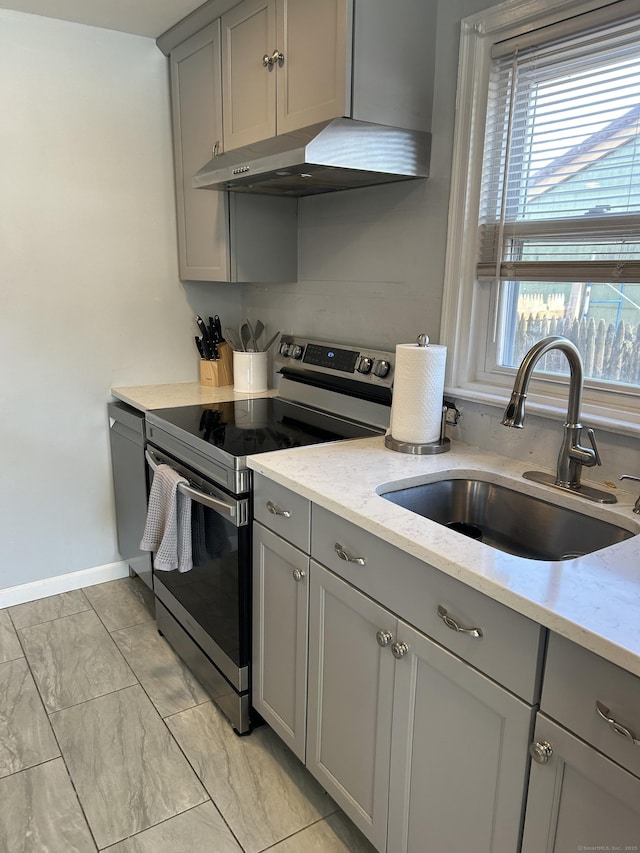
[[257, 332], [253, 341], [232, 338], [199, 346], [245, 336], [271, 341]]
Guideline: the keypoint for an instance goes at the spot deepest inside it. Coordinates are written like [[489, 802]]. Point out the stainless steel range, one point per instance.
[[326, 393]]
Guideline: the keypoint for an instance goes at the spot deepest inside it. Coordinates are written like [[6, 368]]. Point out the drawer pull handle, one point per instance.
[[348, 558], [451, 623], [273, 509], [617, 727]]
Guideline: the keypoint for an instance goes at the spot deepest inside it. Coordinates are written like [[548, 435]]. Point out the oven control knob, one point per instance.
[[365, 364], [381, 368], [285, 349], [295, 351]]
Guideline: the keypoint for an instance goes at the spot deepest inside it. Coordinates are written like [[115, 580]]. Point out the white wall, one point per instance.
[[89, 291]]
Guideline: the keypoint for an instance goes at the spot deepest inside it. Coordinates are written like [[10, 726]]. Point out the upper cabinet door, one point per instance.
[[248, 79], [196, 104], [314, 74]]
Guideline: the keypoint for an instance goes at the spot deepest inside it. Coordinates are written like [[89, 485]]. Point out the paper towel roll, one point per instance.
[[418, 388]]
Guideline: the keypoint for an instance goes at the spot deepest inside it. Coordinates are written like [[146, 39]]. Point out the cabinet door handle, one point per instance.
[[348, 558], [298, 575], [399, 650], [273, 509], [541, 752], [451, 623], [617, 727], [384, 637], [270, 61]]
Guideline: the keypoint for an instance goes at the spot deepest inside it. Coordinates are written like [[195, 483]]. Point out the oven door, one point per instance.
[[211, 602]]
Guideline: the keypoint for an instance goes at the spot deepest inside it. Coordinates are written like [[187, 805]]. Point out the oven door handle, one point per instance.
[[196, 495]]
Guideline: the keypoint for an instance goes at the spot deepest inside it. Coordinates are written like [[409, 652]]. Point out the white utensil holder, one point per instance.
[[250, 371]]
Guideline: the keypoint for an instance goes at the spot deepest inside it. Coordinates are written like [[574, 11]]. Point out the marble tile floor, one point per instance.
[[108, 743]]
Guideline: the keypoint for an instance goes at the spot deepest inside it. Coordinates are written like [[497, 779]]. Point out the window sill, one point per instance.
[[617, 421]]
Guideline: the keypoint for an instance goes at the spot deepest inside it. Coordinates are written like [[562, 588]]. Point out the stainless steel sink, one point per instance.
[[509, 520]]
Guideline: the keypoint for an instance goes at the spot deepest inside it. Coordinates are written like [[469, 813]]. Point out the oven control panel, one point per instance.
[[363, 365]]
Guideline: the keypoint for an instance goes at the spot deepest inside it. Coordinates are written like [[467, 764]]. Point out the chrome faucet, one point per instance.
[[573, 456], [636, 508]]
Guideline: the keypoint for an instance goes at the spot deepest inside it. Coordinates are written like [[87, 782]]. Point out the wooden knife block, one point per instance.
[[216, 374]]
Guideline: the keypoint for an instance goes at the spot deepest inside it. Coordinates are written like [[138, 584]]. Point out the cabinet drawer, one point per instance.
[[283, 511], [510, 648], [575, 679]]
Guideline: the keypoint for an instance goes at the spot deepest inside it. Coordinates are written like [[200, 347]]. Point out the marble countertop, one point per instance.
[[593, 600], [146, 397]]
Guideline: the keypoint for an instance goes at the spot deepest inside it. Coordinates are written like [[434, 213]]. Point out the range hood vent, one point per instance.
[[335, 155]]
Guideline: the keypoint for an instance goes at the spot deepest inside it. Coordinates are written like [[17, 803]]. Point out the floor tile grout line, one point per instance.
[[293, 834], [46, 621], [83, 701], [163, 717], [112, 692], [187, 759]]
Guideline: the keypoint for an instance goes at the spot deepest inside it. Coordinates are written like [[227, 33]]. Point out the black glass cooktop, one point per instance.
[[243, 427]]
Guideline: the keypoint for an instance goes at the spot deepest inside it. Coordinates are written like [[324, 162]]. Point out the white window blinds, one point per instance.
[[560, 198]]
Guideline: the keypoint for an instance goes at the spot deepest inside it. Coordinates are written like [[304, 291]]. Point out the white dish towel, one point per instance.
[[167, 531]]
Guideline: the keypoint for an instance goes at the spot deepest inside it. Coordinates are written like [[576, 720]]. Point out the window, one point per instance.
[[549, 205]]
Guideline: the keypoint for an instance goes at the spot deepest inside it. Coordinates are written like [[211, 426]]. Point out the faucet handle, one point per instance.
[[592, 439]]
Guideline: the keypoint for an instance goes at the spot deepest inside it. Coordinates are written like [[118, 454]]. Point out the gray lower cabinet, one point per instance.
[[585, 787], [280, 603], [422, 751], [350, 700], [458, 755], [578, 798]]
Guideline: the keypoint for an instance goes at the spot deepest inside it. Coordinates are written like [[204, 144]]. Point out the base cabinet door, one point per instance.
[[350, 698], [459, 755], [280, 601], [578, 798]]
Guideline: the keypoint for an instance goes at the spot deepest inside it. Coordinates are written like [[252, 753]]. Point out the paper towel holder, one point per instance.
[[442, 445]]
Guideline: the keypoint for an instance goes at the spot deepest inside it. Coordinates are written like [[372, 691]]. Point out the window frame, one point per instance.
[[469, 304]]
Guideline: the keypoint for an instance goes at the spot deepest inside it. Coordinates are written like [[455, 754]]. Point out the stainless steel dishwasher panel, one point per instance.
[[127, 438]]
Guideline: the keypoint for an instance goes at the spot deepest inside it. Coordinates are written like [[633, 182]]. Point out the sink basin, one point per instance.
[[509, 520]]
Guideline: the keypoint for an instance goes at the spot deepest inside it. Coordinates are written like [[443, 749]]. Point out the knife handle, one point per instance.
[[218, 327]]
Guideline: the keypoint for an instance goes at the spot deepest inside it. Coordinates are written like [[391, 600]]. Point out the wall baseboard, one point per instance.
[[62, 583]]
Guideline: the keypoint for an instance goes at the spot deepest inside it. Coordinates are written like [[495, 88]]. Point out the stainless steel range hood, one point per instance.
[[335, 155]]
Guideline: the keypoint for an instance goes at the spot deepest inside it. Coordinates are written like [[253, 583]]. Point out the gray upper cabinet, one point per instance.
[[220, 238], [288, 64], [203, 224], [284, 66]]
